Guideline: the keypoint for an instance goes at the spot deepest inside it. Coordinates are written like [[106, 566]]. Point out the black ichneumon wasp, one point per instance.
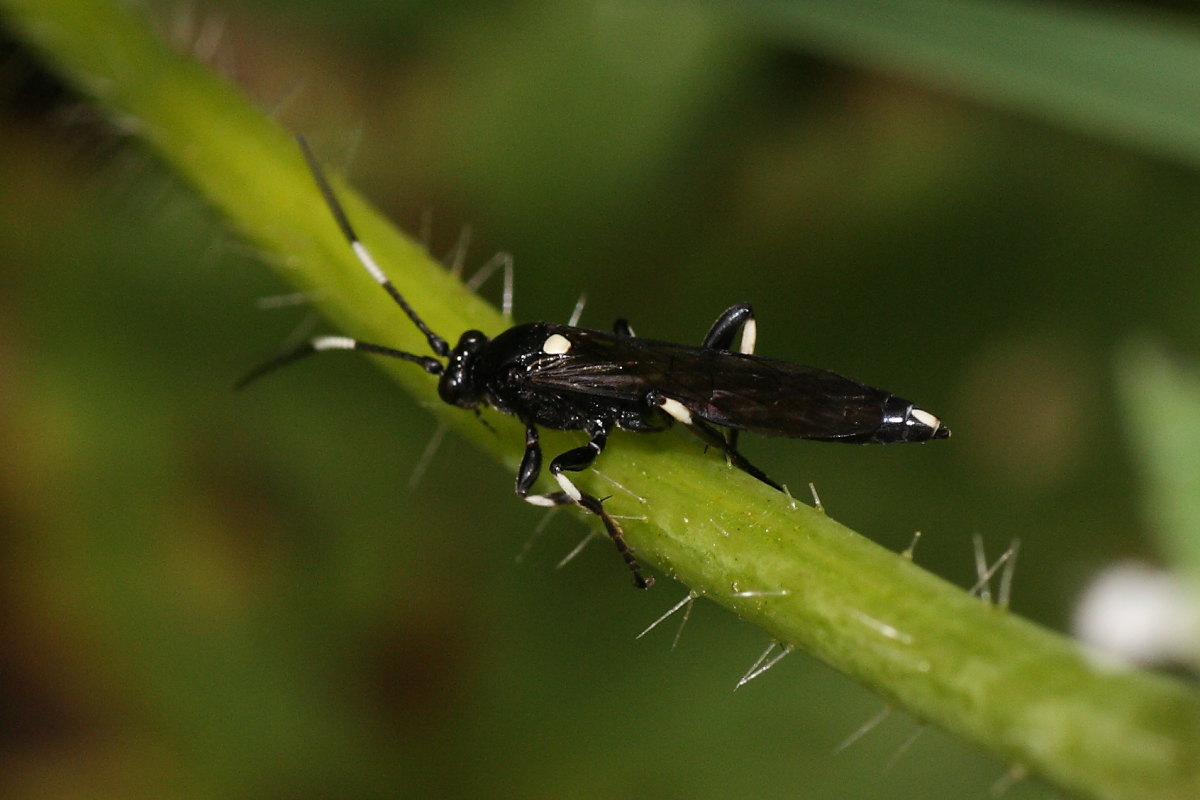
[[567, 378]]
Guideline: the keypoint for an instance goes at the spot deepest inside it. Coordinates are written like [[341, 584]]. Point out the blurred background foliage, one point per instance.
[[212, 594]]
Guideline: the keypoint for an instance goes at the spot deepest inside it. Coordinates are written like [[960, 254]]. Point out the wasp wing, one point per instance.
[[746, 392]]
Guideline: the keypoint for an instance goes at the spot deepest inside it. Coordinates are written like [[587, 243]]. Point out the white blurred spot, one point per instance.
[[1141, 615]]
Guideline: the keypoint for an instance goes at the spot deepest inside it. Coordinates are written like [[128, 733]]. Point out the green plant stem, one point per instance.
[[1022, 692]]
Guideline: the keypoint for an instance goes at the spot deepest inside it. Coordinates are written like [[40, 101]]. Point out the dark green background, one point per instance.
[[213, 594]]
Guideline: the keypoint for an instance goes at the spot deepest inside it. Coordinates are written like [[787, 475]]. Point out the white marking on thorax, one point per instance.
[[556, 344], [925, 418], [677, 410]]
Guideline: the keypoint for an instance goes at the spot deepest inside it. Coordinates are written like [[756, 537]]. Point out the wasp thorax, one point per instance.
[[458, 386]]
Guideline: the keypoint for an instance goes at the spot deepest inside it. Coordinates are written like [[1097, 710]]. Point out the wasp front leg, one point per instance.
[[531, 465], [579, 458]]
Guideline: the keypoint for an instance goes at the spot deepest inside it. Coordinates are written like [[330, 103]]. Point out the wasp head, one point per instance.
[[458, 385]]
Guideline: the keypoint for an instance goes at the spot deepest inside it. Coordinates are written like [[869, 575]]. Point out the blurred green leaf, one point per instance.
[[1125, 73], [1161, 398]]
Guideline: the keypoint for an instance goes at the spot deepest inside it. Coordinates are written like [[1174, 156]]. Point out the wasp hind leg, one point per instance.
[[720, 337], [733, 319], [575, 460], [709, 434], [727, 443]]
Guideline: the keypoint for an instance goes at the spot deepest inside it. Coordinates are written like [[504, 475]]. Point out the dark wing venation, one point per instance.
[[600, 365], [762, 395]]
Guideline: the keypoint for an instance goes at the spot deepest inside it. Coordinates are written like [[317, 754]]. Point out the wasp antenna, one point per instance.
[[323, 343], [273, 364], [436, 343]]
